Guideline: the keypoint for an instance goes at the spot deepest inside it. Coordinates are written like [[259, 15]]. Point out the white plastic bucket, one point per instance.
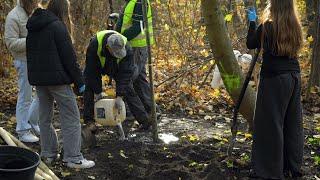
[[106, 114]]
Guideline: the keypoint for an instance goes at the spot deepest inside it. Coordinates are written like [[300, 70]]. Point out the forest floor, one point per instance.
[[197, 151]]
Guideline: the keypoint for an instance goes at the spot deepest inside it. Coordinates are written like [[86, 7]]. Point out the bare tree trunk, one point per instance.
[[89, 19], [248, 3], [77, 13], [314, 79], [222, 50], [111, 6], [311, 10]]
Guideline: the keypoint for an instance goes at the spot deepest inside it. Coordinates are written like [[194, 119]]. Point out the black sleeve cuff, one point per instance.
[[252, 25]]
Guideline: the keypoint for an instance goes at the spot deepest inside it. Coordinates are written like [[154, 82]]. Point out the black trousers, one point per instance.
[[278, 131], [140, 84], [138, 93]]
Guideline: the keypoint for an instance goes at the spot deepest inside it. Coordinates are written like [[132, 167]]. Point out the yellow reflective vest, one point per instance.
[[100, 36], [140, 40]]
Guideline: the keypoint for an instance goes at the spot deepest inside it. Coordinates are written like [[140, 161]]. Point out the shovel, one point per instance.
[[88, 136], [234, 127]]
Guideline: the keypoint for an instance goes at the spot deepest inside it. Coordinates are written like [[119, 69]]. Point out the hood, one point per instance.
[[40, 19]]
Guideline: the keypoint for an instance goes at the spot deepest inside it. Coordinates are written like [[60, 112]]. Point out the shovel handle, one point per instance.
[[234, 127]]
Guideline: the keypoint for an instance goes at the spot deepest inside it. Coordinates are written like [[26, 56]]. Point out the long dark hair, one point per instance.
[[28, 5], [61, 8], [287, 32]]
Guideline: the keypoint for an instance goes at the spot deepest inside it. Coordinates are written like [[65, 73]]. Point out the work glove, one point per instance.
[[79, 91], [118, 104], [252, 15], [100, 96], [82, 89]]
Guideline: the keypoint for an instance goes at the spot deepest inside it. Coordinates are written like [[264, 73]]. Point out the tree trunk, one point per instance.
[[222, 50], [314, 79], [111, 6], [311, 10], [248, 3]]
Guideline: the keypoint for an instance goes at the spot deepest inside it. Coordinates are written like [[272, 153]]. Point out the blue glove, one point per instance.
[[81, 90], [252, 15]]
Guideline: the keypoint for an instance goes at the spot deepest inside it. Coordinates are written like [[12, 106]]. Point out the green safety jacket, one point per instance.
[[100, 36], [140, 40]]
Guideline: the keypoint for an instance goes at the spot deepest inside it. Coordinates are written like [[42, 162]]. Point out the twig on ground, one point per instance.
[[208, 73], [181, 73]]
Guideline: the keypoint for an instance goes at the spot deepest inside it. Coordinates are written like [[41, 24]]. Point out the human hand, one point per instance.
[[82, 89], [100, 96], [252, 15]]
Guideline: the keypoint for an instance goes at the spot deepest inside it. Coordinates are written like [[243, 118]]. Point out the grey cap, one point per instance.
[[117, 46]]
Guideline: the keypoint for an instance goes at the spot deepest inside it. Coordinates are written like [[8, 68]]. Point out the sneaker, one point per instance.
[[82, 164], [36, 129], [28, 137]]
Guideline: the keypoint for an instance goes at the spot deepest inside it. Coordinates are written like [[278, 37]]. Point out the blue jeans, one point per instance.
[[27, 109], [69, 116]]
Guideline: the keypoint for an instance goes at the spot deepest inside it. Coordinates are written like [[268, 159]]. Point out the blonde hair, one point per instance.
[[287, 32]]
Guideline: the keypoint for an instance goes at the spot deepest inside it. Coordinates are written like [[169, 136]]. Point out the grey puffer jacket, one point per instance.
[[16, 32]]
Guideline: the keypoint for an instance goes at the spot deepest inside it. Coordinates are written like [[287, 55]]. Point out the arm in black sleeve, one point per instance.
[[92, 71], [254, 36], [124, 74], [119, 24], [137, 16], [67, 54]]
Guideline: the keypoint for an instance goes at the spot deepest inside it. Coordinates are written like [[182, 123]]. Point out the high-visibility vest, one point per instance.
[[100, 36], [140, 40]]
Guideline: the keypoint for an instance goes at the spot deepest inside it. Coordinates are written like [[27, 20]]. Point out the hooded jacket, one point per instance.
[[50, 54], [15, 32]]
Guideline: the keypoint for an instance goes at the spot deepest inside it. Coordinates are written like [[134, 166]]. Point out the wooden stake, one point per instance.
[[153, 107], [43, 174], [38, 177], [6, 137]]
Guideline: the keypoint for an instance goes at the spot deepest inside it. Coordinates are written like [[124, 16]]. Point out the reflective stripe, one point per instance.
[[140, 40], [100, 36]]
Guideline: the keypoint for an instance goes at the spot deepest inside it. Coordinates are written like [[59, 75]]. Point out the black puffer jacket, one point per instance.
[[50, 54]]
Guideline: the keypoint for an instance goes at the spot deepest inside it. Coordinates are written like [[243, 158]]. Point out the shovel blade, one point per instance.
[[88, 138]]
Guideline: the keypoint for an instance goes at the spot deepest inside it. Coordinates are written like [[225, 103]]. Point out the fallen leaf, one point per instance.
[[248, 136], [207, 117], [193, 137], [65, 173], [228, 17], [122, 154], [110, 156], [91, 177], [310, 39], [193, 164]]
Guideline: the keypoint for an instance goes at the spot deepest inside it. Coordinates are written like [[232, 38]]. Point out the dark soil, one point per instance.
[[203, 158], [200, 152]]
